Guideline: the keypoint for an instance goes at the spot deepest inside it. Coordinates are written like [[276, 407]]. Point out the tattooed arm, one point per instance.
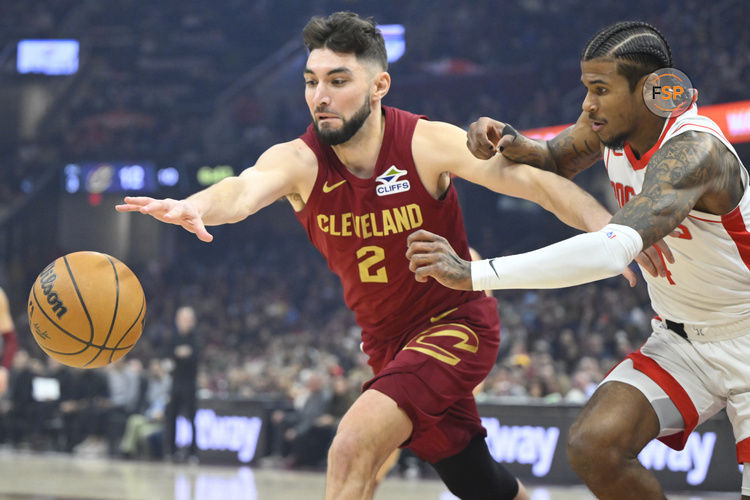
[[574, 149], [693, 170]]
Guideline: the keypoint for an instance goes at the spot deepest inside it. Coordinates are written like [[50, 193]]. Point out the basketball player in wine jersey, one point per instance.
[[676, 177], [360, 179]]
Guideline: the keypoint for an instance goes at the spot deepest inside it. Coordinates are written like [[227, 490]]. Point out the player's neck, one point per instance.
[[647, 134], [360, 153]]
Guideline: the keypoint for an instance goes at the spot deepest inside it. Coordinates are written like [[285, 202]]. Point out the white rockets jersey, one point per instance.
[[709, 283]]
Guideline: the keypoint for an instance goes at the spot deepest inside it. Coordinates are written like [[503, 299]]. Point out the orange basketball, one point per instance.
[[86, 309]]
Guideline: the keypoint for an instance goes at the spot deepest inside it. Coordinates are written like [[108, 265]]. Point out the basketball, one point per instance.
[[86, 309]]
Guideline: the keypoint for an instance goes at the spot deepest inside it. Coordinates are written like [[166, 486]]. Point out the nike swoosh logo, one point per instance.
[[328, 189], [492, 265], [440, 316]]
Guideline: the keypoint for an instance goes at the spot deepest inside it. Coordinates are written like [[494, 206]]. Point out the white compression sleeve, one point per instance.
[[580, 259]]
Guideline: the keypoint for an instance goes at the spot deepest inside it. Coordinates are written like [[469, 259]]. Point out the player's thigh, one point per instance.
[[662, 390], [373, 426], [732, 374], [454, 357]]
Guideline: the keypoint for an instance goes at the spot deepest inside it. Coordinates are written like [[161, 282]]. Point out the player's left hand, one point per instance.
[[654, 259], [651, 261], [431, 255]]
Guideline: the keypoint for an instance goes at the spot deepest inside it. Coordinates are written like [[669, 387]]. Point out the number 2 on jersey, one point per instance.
[[372, 256]]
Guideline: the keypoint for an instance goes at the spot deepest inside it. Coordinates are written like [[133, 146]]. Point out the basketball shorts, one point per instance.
[[432, 377], [688, 381]]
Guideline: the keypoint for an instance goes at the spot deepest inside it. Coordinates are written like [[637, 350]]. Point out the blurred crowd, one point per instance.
[[190, 83]]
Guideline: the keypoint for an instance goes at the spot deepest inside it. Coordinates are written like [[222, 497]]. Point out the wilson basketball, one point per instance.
[[86, 309]]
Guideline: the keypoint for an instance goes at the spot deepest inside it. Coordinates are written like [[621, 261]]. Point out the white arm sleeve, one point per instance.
[[580, 259]]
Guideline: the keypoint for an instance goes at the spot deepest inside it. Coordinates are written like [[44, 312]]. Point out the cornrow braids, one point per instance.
[[638, 48]]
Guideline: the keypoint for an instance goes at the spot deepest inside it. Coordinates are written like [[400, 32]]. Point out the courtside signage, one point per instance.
[[694, 459], [523, 444], [222, 433]]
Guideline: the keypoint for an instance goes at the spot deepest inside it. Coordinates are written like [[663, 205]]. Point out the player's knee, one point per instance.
[[343, 449], [588, 447], [347, 454]]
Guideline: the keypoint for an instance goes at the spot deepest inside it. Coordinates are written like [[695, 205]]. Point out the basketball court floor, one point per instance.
[[34, 476]]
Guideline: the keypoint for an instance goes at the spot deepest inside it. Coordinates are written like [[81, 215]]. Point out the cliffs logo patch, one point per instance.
[[390, 183]]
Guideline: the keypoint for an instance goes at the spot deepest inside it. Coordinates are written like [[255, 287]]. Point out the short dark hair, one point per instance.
[[638, 48], [347, 33]]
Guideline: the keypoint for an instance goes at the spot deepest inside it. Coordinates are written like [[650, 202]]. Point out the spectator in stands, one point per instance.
[[21, 399], [85, 411], [142, 427], [308, 447], [124, 382], [184, 352], [294, 430]]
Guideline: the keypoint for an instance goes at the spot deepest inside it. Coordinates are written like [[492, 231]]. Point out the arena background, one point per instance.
[[168, 97]]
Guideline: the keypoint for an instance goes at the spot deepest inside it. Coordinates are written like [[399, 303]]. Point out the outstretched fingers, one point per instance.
[[181, 213], [133, 203], [200, 231]]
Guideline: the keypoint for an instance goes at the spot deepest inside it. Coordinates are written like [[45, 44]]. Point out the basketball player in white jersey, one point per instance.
[[676, 178]]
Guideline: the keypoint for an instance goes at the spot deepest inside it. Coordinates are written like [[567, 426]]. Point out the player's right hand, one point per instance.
[[487, 136], [179, 212]]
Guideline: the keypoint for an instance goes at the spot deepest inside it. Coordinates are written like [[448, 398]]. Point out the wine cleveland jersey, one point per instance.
[[361, 225], [709, 283]]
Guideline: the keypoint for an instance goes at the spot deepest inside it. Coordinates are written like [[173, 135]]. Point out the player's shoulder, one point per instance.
[[437, 135], [693, 144], [432, 128], [694, 157], [295, 150], [292, 156]]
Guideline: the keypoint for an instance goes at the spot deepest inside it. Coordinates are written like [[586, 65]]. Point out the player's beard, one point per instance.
[[348, 129], [616, 142]]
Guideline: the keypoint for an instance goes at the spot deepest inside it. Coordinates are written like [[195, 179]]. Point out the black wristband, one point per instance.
[[509, 130]]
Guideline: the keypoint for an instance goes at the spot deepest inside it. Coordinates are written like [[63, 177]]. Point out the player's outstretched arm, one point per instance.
[[440, 147], [574, 149], [688, 169], [281, 170]]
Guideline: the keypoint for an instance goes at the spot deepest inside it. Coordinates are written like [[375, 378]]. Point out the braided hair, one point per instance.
[[638, 48]]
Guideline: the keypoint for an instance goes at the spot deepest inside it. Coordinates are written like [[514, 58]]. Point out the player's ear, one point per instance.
[[382, 84], [646, 83]]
